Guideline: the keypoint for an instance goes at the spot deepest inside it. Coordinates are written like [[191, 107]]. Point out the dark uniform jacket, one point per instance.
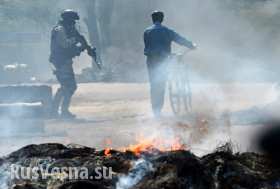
[[63, 45]]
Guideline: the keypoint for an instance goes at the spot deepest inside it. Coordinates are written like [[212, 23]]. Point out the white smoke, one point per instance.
[[140, 168], [4, 176]]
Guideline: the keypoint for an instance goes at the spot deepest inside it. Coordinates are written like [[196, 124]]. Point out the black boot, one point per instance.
[[67, 115]]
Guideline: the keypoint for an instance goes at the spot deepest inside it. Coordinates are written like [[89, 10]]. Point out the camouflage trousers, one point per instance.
[[66, 78]]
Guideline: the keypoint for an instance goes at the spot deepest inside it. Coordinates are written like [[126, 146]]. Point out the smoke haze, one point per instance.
[[238, 40]]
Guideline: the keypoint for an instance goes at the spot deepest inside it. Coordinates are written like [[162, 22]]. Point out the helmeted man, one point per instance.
[[158, 40], [66, 43]]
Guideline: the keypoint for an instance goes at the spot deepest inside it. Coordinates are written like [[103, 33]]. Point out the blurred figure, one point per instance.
[[158, 39], [66, 43], [269, 140]]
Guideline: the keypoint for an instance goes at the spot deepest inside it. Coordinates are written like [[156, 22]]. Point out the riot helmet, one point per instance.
[[70, 15]]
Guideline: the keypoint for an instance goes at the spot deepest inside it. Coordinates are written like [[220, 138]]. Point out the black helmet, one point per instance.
[[69, 14], [157, 16]]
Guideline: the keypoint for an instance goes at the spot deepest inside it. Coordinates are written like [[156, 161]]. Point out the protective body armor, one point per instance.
[[64, 44]]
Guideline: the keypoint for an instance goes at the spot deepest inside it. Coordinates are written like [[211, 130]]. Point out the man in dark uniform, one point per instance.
[[158, 40], [66, 43]]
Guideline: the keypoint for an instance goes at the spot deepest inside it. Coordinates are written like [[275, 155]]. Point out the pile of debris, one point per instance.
[[151, 169]]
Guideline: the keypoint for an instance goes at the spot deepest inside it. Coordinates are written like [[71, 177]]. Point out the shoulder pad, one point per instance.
[[58, 28]]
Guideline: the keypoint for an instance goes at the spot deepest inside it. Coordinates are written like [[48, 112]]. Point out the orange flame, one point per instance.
[[150, 145], [143, 146], [107, 152]]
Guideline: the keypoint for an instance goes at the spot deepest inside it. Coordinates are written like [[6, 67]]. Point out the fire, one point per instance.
[[150, 145], [107, 152], [177, 145], [143, 146]]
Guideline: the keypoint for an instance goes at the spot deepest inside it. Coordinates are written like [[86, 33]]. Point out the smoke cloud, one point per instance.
[[237, 41], [232, 36], [140, 168]]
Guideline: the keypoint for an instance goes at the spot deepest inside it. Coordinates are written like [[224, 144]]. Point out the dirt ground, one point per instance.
[[114, 115]]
